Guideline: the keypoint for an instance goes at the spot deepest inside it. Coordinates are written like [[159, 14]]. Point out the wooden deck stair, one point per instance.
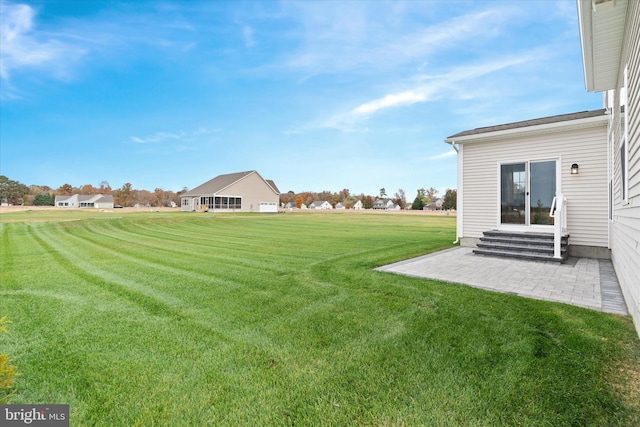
[[529, 246]]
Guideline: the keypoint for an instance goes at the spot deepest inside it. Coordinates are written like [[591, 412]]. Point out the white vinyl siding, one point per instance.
[[586, 193], [625, 226]]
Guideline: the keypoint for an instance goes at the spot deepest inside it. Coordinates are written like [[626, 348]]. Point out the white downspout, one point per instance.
[[459, 199]]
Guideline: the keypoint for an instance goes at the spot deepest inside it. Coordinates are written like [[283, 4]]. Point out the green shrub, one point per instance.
[[7, 371], [44, 200]]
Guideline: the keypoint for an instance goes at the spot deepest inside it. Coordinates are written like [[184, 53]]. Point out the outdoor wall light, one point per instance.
[[574, 169]]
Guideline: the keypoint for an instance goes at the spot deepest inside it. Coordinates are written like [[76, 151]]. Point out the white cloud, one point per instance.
[[347, 36], [428, 89], [247, 34], [157, 138], [446, 155], [182, 136], [393, 100], [24, 47]]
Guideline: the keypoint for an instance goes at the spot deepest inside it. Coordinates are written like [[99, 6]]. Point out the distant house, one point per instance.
[[435, 205], [340, 206], [234, 192], [292, 205], [357, 205], [96, 201], [320, 204], [382, 204]]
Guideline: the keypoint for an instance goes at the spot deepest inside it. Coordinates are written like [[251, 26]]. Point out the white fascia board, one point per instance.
[[602, 26], [532, 130], [586, 41]]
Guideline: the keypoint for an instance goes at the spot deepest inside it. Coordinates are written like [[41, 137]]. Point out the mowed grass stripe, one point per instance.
[[200, 294], [86, 269], [182, 264], [145, 297], [198, 297], [6, 257], [209, 246], [164, 285], [222, 234]]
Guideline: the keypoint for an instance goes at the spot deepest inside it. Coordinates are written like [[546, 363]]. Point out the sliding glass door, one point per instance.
[[542, 184], [527, 190], [513, 184]]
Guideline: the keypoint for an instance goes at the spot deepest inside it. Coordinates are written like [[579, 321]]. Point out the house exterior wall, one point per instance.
[[586, 193], [104, 205], [188, 204], [253, 191], [322, 206], [67, 201], [625, 224]]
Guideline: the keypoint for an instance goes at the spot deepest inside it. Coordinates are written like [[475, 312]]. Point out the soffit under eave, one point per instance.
[[602, 25]]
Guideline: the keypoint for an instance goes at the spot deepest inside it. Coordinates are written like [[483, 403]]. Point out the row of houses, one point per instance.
[[356, 205], [380, 204], [238, 192]]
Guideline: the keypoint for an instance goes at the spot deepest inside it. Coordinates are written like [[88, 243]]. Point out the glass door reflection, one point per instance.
[[513, 184]]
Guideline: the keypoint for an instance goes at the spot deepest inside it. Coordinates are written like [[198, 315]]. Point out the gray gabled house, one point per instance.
[[234, 192]]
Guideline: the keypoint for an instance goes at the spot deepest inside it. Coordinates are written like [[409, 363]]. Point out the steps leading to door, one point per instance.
[[522, 245]]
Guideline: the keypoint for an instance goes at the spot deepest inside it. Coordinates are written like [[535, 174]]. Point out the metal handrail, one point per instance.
[[558, 205]]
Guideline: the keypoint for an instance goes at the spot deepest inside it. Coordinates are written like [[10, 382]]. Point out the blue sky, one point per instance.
[[317, 96]]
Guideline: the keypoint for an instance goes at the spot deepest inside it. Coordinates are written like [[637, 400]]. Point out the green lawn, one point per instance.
[[192, 319]]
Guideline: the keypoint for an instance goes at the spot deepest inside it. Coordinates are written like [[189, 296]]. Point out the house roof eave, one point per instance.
[[220, 183], [602, 25], [599, 117]]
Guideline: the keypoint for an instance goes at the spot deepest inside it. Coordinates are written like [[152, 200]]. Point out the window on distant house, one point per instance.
[[223, 202]]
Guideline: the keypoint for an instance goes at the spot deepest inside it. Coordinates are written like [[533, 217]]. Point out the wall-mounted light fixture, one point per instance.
[[574, 169]]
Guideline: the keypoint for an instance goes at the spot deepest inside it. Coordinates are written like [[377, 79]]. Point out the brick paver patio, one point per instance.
[[584, 282]]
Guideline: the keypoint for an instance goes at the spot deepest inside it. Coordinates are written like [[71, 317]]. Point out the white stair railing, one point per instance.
[[558, 212]]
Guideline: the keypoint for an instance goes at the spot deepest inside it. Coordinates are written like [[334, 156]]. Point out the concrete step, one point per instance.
[[527, 241], [520, 234], [515, 247], [530, 256], [530, 246]]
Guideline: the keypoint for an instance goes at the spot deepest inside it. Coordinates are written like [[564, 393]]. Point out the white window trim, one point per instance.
[[526, 227]]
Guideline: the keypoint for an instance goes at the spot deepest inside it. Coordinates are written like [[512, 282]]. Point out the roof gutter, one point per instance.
[[453, 144]]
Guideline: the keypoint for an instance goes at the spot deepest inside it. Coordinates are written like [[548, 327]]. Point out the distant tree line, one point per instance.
[[15, 193], [423, 199]]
